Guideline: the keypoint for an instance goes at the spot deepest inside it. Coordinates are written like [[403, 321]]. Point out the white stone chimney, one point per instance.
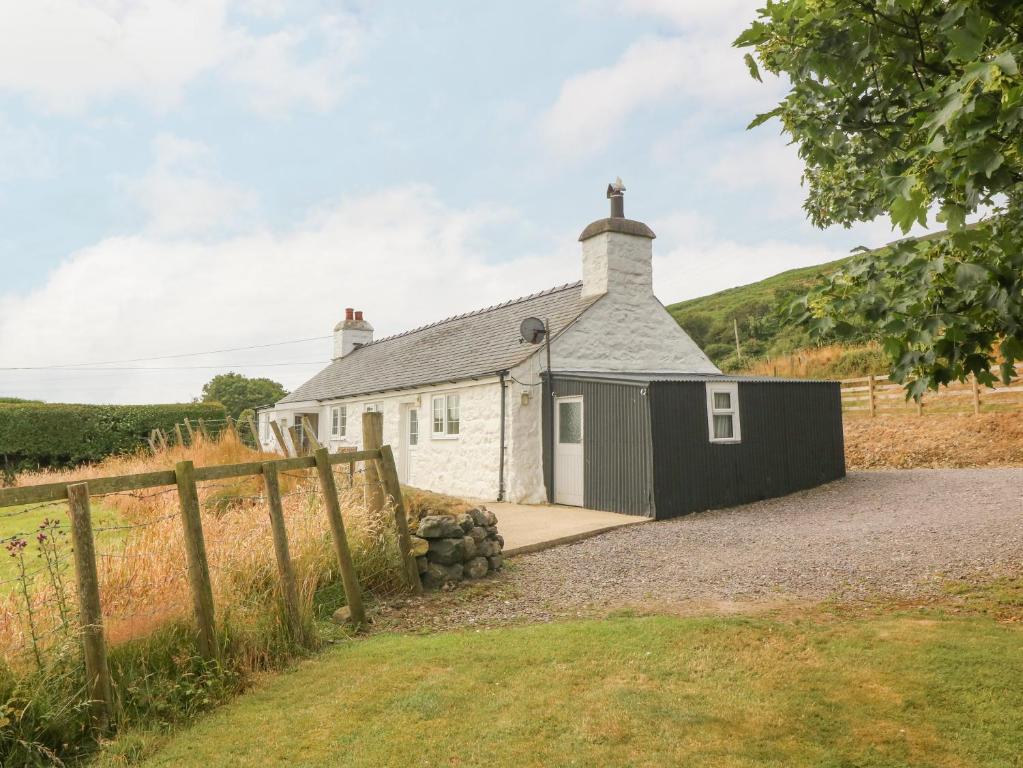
[[351, 333], [617, 252]]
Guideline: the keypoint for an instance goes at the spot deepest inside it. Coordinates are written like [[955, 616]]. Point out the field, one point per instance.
[[25, 522], [158, 673], [884, 686], [935, 440]]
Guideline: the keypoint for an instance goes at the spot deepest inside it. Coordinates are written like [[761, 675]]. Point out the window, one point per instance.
[[339, 421], [374, 407], [723, 413], [446, 416], [413, 426], [570, 422]]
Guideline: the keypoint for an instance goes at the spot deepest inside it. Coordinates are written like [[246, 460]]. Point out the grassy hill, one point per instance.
[[768, 341]]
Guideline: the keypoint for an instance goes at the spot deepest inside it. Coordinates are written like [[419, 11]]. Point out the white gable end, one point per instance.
[[628, 333]]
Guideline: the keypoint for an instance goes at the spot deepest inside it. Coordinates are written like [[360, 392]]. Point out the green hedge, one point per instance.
[[56, 435]]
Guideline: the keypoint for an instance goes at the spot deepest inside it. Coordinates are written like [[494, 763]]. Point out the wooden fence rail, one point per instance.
[[874, 395], [186, 477]]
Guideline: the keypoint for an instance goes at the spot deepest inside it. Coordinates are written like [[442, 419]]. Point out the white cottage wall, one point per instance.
[[467, 465]]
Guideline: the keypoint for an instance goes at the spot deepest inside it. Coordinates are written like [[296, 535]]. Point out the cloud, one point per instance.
[[400, 255], [277, 76], [698, 66], [68, 54], [728, 16], [182, 195]]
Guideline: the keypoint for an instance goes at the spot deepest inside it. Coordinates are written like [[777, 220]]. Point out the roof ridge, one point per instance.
[[474, 313]]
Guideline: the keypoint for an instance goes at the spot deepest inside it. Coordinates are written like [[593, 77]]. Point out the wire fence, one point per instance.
[[144, 580]]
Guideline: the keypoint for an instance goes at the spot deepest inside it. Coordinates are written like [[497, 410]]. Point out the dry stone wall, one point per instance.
[[450, 548]]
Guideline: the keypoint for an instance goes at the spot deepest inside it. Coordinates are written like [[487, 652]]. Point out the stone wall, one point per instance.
[[450, 548]]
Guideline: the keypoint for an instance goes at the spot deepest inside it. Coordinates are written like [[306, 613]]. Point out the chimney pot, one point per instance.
[[349, 313], [358, 315]]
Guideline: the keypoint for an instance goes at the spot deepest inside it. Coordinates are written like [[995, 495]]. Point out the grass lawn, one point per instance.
[[26, 526], [824, 688]]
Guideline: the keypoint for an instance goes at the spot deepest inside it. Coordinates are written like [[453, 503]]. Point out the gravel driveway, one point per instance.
[[899, 533]]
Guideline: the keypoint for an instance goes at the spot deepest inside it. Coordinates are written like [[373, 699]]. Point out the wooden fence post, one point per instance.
[[191, 432], [372, 439], [296, 440], [162, 438], [976, 395], [873, 398], [389, 472], [255, 432], [230, 427], [97, 670], [279, 436], [177, 431], [198, 566], [337, 529], [203, 431], [310, 433], [920, 406], [152, 441], [289, 586]]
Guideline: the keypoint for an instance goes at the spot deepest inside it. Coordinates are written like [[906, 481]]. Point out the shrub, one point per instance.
[[55, 435]]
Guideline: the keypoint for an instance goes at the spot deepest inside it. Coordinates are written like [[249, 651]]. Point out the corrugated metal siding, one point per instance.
[[791, 440], [616, 443]]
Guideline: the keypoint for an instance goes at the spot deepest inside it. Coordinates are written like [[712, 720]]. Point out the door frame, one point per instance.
[[556, 430], [405, 447]]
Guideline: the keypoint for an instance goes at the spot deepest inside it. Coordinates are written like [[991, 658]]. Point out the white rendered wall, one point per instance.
[[628, 329], [465, 466]]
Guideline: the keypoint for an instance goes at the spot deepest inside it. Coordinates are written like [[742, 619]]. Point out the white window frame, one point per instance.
[[377, 407], [339, 421], [732, 388], [445, 432]]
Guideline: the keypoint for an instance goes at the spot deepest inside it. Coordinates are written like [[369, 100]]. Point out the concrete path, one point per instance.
[[532, 527]]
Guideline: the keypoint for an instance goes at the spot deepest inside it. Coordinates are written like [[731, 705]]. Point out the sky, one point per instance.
[[185, 176]]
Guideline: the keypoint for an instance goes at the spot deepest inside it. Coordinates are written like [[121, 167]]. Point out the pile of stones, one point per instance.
[[450, 548]]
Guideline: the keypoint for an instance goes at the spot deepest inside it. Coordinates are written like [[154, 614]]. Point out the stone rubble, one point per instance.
[[450, 548]]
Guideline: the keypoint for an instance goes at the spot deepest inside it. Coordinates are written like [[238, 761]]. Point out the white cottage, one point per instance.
[[462, 399]]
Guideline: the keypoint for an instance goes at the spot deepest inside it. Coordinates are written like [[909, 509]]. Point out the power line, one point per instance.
[[74, 369], [163, 357]]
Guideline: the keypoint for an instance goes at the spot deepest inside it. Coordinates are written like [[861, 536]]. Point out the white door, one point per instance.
[[409, 443], [568, 451]]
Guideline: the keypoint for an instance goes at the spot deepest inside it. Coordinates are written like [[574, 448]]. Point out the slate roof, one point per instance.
[[468, 346], [629, 377]]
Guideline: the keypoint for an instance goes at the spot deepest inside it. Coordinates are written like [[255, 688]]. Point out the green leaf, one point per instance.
[[985, 160], [966, 44], [949, 109], [954, 216], [969, 276], [907, 211], [763, 117], [1006, 63], [751, 65]]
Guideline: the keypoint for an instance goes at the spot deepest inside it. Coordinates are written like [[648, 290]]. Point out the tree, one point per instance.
[[910, 108], [238, 392]]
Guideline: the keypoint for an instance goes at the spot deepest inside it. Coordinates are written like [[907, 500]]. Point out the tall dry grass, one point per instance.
[[833, 361], [143, 582]]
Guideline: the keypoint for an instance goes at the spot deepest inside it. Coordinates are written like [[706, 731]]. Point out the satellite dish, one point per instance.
[[533, 330]]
